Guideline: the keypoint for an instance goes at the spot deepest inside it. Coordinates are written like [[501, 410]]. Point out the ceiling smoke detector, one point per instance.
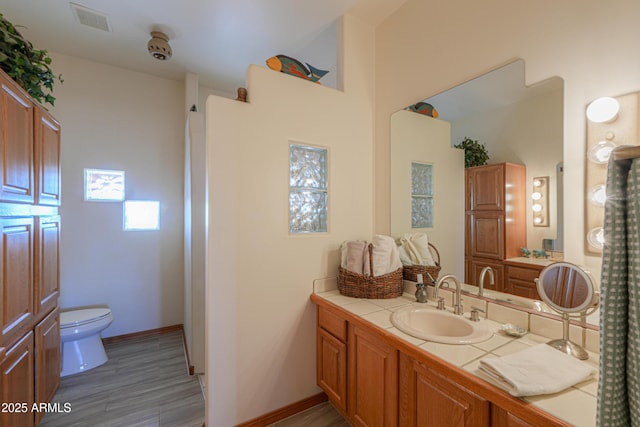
[[158, 46]]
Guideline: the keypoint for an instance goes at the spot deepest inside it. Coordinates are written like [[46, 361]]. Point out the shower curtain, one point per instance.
[[619, 385]]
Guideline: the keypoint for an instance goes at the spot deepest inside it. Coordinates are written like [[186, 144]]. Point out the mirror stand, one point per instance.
[[568, 289], [567, 346]]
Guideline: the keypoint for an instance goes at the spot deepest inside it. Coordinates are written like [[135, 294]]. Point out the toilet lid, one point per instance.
[[82, 316]]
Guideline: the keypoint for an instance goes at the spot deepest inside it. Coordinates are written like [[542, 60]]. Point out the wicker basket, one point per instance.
[[379, 287], [410, 272]]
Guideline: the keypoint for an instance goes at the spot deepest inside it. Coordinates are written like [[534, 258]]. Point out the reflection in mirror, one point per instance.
[[565, 287], [517, 124], [568, 289]]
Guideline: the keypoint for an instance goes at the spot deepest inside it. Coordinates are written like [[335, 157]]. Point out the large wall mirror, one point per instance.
[[517, 124]]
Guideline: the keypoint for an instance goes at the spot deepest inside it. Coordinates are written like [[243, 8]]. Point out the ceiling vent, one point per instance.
[[158, 46], [90, 18]]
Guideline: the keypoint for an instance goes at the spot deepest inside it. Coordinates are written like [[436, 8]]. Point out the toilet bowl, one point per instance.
[[80, 340]]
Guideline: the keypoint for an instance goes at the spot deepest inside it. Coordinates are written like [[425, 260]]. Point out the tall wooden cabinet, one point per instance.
[[496, 225], [29, 254]]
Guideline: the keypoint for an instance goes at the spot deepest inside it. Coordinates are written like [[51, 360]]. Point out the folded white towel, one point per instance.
[[386, 258], [353, 255], [416, 249], [540, 369]]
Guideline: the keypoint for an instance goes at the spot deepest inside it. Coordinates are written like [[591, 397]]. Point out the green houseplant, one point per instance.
[[29, 67], [475, 154]]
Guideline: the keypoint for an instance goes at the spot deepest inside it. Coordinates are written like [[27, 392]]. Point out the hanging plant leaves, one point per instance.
[[29, 67]]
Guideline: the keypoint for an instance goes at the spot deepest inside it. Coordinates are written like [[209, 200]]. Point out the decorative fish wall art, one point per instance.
[[288, 65], [423, 108]]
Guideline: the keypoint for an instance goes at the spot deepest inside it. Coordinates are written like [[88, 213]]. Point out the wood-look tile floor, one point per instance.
[[144, 383], [322, 415]]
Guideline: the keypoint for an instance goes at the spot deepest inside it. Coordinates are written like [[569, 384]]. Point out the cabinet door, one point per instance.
[[429, 399], [332, 368], [46, 264], [47, 158], [487, 235], [47, 336], [372, 380], [502, 418], [521, 281], [475, 268], [16, 143], [486, 188], [17, 276], [16, 383]]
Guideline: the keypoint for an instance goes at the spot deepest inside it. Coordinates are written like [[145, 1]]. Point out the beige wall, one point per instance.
[[418, 138], [114, 118], [260, 322], [426, 47]]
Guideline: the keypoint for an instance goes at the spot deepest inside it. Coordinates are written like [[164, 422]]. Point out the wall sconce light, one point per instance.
[[540, 201], [611, 122]]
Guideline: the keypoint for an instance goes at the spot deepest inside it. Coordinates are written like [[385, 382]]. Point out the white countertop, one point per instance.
[[531, 260], [575, 405]]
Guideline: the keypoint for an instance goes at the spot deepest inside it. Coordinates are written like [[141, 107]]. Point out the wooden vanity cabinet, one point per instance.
[[373, 380], [430, 399], [496, 225], [331, 357], [521, 279], [502, 418], [392, 383]]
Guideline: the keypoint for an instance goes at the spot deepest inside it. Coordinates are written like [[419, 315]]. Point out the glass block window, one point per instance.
[[307, 189], [103, 185], [421, 195]]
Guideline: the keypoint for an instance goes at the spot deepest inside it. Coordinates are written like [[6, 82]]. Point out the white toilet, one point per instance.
[[80, 340]]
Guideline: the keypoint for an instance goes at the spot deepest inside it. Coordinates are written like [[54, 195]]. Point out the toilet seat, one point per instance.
[[75, 318]]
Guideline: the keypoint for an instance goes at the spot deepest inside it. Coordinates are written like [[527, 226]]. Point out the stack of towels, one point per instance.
[[540, 369], [385, 256], [414, 250]]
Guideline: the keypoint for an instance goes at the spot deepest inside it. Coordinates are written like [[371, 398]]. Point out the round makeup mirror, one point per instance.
[[568, 289]]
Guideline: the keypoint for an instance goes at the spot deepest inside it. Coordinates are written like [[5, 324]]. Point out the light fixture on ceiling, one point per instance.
[[158, 46]]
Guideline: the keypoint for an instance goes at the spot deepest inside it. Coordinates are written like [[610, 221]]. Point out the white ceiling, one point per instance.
[[215, 39]]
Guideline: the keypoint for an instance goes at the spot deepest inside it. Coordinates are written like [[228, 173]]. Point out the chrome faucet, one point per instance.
[[481, 280], [457, 307]]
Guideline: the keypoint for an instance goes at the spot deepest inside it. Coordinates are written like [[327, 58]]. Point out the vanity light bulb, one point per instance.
[[536, 195], [600, 152], [603, 110], [537, 207], [537, 220], [598, 195], [537, 183], [595, 237]]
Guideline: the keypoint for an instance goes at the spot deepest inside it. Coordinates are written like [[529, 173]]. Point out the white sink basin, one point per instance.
[[429, 324]]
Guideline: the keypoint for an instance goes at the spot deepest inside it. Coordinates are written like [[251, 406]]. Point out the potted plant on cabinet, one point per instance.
[[475, 154], [29, 67]]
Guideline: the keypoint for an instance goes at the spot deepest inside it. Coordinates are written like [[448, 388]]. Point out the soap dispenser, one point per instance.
[[421, 290]]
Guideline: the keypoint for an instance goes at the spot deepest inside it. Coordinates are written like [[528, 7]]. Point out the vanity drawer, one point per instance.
[[528, 274], [332, 323]]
